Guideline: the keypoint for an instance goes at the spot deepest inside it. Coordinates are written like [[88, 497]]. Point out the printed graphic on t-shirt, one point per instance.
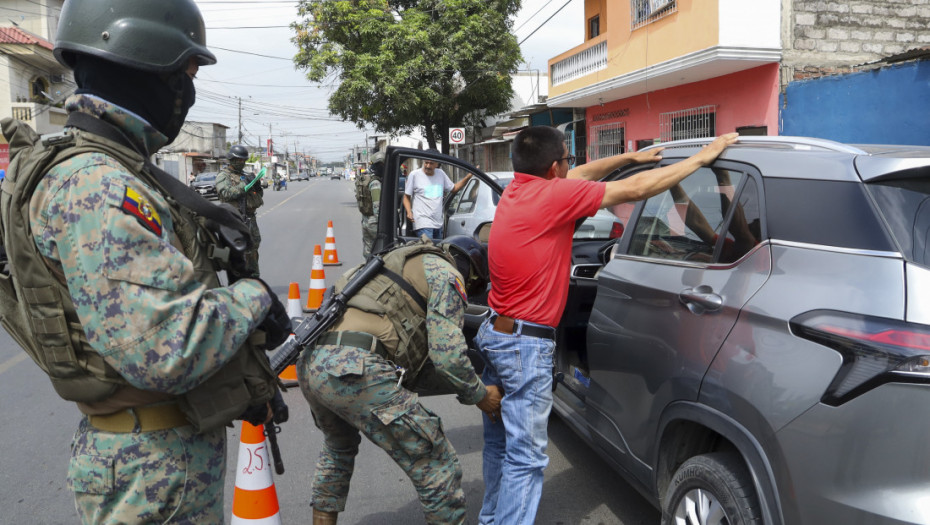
[[432, 191]]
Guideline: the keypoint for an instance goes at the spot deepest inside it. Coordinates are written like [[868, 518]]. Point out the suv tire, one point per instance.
[[711, 489]]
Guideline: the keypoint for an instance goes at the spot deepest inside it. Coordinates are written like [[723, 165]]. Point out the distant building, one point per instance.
[[200, 147], [33, 85], [660, 70]]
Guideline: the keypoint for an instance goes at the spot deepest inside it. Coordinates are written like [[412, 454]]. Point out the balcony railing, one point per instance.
[[643, 12], [42, 118], [580, 64]]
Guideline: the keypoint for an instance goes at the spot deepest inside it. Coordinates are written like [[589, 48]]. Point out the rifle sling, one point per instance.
[[407, 287]]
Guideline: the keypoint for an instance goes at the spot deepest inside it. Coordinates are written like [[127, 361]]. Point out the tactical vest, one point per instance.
[[363, 195], [36, 307], [384, 297]]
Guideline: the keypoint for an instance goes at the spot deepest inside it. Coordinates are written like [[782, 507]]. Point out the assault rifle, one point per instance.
[[312, 326]]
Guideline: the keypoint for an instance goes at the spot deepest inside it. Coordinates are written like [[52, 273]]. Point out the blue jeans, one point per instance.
[[433, 233], [515, 451]]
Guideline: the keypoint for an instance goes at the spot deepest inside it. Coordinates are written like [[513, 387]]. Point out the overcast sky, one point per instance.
[[252, 43]]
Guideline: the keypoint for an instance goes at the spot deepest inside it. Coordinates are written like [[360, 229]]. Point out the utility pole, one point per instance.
[[240, 120]]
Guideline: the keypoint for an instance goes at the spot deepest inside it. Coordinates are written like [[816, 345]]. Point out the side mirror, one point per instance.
[[483, 232]]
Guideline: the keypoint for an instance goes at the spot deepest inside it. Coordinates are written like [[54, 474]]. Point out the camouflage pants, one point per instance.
[[369, 230], [166, 476], [351, 390], [251, 255]]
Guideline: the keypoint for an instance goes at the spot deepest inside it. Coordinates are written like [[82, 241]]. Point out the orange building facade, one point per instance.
[[660, 70]]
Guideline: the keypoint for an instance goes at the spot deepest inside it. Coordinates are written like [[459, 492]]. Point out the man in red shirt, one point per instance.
[[529, 254]]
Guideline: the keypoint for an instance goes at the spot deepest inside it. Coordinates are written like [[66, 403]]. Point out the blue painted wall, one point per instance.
[[884, 106], [552, 117]]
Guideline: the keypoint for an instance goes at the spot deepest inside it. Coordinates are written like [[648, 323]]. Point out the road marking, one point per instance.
[[278, 205], [11, 362]]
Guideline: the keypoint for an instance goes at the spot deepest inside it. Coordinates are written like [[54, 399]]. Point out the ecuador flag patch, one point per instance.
[[460, 288], [136, 205]]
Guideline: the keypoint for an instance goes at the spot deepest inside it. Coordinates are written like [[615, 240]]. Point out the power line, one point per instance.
[[544, 23], [250, 53]]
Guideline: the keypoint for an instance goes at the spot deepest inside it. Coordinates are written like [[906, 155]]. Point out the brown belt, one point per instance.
[[141, 419], [509, 325]]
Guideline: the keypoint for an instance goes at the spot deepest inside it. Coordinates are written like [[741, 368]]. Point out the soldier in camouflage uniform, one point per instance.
[[359, 377], [145, 304], [230, 186], [370, 222]]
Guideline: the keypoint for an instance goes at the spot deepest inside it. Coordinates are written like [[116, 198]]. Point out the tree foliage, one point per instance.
[[401, 64]]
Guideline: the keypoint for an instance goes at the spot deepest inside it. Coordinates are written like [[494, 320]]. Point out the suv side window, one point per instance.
[[469, 197], [685, 222], [744, 229]]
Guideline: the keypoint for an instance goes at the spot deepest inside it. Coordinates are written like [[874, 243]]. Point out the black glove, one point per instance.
[[277, 324], [279, 408], [255, 414]]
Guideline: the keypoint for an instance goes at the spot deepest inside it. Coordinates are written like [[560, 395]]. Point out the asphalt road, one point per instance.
[[579, 487]]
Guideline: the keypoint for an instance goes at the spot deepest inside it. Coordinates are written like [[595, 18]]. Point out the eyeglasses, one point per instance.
[[570, 159]]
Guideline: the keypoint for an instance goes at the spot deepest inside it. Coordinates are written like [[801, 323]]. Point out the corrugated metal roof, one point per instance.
[[15, 35]]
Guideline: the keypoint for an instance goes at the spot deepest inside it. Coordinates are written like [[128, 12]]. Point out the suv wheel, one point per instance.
[[711, 489]]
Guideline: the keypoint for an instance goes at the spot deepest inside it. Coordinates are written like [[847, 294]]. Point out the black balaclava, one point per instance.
[[163, 100]]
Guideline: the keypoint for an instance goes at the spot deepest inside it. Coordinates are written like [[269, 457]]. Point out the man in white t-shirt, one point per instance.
[[425, 188]]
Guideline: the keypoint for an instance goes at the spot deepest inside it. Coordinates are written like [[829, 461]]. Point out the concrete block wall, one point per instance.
[[827, 37]]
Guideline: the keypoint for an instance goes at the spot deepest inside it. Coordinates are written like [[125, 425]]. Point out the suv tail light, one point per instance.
[[616, 231], [875, 350]]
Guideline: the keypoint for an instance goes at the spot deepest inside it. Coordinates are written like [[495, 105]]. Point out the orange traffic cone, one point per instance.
[[293, 301], [330, 257], [317, 282], [294, 311], [255, 500]]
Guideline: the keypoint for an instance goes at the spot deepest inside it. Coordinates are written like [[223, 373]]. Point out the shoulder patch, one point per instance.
[[460, 288], [136, 205]]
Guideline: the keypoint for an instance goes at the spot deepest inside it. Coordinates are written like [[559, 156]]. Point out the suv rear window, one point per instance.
[[905, 205], [830, 213]]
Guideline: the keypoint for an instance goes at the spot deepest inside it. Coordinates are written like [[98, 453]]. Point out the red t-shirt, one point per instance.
[[530, 247]]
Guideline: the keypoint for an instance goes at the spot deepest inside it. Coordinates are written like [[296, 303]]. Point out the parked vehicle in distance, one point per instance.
[[754, 347], [476, 203], [205, 184], [303, 175]]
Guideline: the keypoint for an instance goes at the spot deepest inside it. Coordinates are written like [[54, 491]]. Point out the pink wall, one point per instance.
[[746, 98]]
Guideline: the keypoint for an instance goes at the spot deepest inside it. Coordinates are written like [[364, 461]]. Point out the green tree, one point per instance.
[[401, 64]]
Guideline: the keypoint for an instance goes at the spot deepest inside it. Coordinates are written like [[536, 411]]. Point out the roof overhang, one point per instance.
[[694, 67]]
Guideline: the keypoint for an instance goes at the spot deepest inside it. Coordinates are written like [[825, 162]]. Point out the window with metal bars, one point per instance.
[[643, 12], [606, 140], [688, 123]]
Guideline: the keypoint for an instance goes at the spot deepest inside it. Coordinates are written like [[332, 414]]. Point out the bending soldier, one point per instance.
[[393, 337], [137, 330], [230, 186]]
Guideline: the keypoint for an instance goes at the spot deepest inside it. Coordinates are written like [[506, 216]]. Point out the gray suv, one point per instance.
[[753, 347]]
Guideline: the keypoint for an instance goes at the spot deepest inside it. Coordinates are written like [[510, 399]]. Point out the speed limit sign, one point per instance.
[[456, 135]]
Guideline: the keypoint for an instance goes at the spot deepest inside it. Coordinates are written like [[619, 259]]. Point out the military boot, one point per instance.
[[323, 517]]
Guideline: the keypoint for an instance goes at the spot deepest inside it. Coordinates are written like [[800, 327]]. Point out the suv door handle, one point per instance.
[[700, 299]]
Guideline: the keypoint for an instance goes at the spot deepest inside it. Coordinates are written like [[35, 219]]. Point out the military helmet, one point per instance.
[[155, 36], [469, 254], [376, 157], [238, 152]]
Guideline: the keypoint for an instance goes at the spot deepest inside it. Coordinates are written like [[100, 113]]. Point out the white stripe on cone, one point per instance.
[[255, 466], [272, 520]]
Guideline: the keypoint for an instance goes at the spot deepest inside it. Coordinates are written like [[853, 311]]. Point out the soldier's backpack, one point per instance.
[[385, 295], [363, 194], [35, 307]]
